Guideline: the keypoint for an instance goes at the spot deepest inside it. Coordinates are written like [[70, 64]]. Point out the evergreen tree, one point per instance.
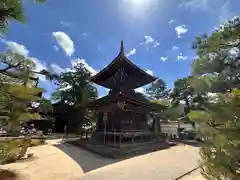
[[76, 90], [217, 71], [14, 108], [158, 90], [74, 87], [12, 10], [18, 89]]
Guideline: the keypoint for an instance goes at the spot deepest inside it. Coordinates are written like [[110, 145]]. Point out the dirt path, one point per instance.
[[66, 162], [166, 165], [52, 161]]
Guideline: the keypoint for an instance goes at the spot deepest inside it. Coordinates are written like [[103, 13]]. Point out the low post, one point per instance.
[[114, 136], [120, 140]]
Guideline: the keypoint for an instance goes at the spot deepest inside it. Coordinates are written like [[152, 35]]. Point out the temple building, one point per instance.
[[123, 110]]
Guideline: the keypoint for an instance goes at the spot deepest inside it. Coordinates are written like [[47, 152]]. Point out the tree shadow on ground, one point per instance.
[[8, 174], [191, 143], [86, 160], [89, 161]]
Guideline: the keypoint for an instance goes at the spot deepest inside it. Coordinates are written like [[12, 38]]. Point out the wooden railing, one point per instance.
[[118, 138]]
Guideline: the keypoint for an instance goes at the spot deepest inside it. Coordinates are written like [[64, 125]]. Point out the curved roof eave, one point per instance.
[[119, 58]]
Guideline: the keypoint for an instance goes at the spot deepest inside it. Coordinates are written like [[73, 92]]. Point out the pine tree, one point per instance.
[[216, 71], [158, 90], [18, 89], [12, 10], [15, 105]]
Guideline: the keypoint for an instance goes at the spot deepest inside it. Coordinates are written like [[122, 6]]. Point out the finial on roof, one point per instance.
[[122, 48]]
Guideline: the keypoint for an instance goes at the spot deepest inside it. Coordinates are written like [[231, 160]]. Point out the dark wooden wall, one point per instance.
[[123, 121]]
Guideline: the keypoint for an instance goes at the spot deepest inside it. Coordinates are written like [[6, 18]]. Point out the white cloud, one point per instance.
[[149, 72], [219, 8], [174, 48], [155, 44], [234, 51], [140, 90], [57, 69], [69, 70], [220, 27], [22, 50], [181, 30], [150, 40], [225, 11], [17, 48], [163, 58], [55, 47], [132, 52], [65, 86], [64, 42], [194, 4], [181, 57], [171, 21], [39, 66], [65, 23], [85, 64], [74, 62]]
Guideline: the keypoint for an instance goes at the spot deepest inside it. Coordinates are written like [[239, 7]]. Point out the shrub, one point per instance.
[[13, 149], [9, 151]]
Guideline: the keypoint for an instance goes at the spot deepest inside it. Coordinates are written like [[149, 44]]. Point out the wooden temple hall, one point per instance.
[[123, 114]]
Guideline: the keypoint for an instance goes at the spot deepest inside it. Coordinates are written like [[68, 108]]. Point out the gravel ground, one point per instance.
[[195, 175], [161, 165], [47, 163], [66, 162], [57, 161]]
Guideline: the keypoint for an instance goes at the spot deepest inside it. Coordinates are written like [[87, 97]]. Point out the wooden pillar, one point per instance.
[[105, 126]]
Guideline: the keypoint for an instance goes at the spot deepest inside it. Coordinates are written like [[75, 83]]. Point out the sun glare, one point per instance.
[[137, 8], [138, 3]]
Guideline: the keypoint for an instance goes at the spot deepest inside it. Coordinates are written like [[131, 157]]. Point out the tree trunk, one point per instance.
[[178, 128], [25, 145], [188, 110], [188, 106]]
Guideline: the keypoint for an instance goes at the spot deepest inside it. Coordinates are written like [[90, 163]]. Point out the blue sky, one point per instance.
[[157, 34]]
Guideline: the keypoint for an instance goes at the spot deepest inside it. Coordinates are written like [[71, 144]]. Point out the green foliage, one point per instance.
[[20, 69], [158, 90], [75, 88], [164, 102], [9, 151], [15, 105], [182, 91], [12, 10], [45, 106], [175, 112], [219, 128], [217, 71], [185, 92], [16, 68], [219, 56], [18, 90], [13, 149]]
